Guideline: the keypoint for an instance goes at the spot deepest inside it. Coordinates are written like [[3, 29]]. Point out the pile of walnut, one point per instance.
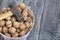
[[12, 28]]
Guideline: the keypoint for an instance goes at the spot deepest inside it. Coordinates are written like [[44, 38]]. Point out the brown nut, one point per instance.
[[25, 18], [19, 9], [0, 29], [7, 34], [27, 24], [12, 30], [31, 24], [25, 13], [8, 23], [2, 23], [22, 5], [13, 19], [15, 34], [8, 18], [27, 30], [26, 9], [22, 33], [22, 27], [20, 23], [29, 19], [18, 30], [5, 29], [16, 24]]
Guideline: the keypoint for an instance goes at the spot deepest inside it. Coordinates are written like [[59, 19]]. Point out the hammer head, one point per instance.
[[15, 11]]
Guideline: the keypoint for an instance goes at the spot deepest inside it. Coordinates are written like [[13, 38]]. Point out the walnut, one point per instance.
[[27, 24], [12, 30], [20, 23], [27, 30], [7, 34], [0, 29], [8, 23], [18, 30], [22, 33], [19, 9], [29, 19], [15, 34], [22, 27], [16, 24], [31, 24], [26, 9], [25, 18], [25, 13], [2, 23], [13, 19], [5, 29], [22, 5]]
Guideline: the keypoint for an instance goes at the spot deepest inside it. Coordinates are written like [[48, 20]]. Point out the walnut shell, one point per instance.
[[29, 19], [22, 33], [22, 5], [19, 9], [25, 18], [31, 24], [5, 29], [18, 30], [27, 30], [22, 27], [20, 23], [16, 24], [27, 24], [8, 23], [25, 13], [15, 34], [2, 23], [12, 30], [26, 9], [13, 19]]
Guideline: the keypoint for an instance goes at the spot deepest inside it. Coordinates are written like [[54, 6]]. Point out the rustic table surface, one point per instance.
[[47, 22]]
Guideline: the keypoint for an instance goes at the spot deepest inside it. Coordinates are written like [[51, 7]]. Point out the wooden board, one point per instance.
[[50, 27]]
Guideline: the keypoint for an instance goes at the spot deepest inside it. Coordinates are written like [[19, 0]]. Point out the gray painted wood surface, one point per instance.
[[47, 19], [50, 27]]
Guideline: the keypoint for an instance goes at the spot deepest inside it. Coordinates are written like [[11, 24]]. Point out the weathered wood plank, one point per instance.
[[37, 7], [50, 27]]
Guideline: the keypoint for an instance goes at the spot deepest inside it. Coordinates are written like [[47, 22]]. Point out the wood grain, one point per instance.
[[50, 27]]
